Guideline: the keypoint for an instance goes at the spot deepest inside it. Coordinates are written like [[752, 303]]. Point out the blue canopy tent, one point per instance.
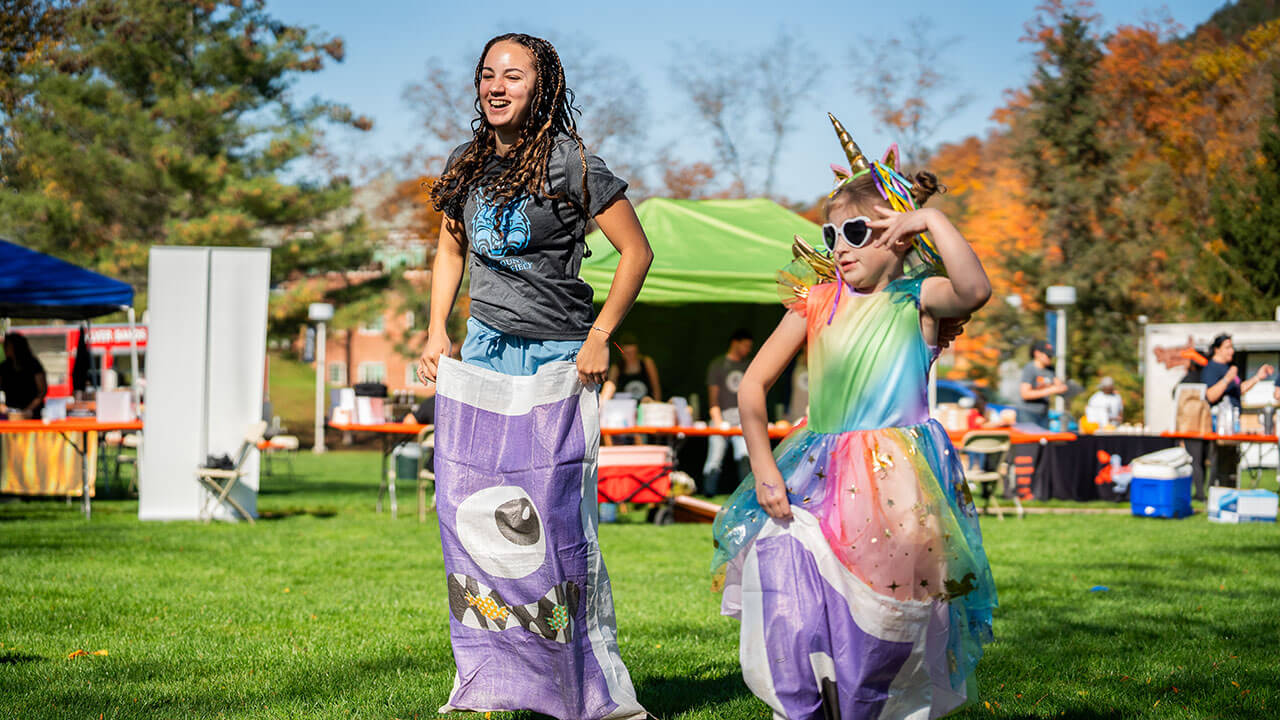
[[35, 285]]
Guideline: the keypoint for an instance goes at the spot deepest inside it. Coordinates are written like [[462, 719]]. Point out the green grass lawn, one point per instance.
[[327, 610], [293, 394]]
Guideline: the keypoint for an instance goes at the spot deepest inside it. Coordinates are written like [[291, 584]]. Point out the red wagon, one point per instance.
[[638, 474]]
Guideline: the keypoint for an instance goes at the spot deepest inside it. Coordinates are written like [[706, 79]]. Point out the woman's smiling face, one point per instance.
[[507, 83]]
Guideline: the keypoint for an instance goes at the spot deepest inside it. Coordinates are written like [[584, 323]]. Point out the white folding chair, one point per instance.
[[981, 445], [219, 481], [286, 445]]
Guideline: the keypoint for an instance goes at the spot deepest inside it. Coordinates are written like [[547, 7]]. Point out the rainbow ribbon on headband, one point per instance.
[[893, 187], [897, 190]]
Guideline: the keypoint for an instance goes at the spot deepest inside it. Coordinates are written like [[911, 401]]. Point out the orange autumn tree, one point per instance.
[[1188, 110], [984, 200], [1176, 113]]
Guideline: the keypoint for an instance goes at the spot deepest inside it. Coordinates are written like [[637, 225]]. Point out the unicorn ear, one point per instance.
[[857, 161], [841, 172], [890, 158]]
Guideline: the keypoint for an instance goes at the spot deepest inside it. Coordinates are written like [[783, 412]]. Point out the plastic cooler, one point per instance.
[[635, 473], [1161, 485]]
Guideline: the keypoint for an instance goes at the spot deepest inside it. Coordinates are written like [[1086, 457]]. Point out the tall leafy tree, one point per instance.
[[1070, 169], [25, 28], [163, 121], [1247, 212]]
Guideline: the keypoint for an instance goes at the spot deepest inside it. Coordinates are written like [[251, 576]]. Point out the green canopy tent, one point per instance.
[[706, 251], [713, 271]]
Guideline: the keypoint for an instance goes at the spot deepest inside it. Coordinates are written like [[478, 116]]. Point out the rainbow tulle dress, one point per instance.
[[875, 600]]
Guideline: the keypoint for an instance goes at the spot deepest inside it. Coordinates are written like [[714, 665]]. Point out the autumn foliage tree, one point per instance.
[[1134, 166]]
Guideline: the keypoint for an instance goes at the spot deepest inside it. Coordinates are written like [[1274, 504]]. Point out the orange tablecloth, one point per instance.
[[70, 425], [45, 466], [1233, 438], [399, 428], [687, 431], [413, 429], [1016, 436]]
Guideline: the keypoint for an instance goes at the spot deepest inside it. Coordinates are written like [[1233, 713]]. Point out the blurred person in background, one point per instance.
[[1224, 386], [1105, 407], [1222, 379], [22, 378], [1038, 384], [724, 376], [636, 375]]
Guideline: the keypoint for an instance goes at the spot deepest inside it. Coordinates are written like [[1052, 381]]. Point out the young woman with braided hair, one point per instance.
[[521, 193], [517, 428]]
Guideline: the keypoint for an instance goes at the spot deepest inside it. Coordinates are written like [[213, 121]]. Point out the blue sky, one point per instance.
[[389, 41]]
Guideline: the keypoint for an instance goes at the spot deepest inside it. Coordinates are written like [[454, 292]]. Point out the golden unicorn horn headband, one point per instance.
[[858, 164]]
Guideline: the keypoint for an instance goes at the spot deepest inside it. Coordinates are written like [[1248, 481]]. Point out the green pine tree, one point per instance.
[[154, 121], [1071, 166], [1247, 213]]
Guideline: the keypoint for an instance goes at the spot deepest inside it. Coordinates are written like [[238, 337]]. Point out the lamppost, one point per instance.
[[1142, 344], [1061, 297], [319, 313]]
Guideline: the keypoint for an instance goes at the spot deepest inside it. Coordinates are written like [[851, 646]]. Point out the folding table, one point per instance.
[[83, 426]]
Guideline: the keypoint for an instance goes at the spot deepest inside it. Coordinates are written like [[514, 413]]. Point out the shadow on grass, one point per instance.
[[15, 658], [1271, 548], [669, 696], [310, 488], [1069, 714], [283, 513]]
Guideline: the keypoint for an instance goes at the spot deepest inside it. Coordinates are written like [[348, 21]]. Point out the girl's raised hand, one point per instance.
[[771, 492], [898, 228]]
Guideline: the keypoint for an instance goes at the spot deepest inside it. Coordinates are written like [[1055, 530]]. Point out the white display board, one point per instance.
[[206, 359]]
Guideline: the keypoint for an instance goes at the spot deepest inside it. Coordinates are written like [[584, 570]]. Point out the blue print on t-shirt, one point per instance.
[[497, 237]]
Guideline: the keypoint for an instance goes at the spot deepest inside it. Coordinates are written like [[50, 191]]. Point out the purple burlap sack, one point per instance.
[[532, 622]]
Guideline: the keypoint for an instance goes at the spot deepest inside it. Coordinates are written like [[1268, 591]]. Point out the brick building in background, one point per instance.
[[377, 349], [384, 347]]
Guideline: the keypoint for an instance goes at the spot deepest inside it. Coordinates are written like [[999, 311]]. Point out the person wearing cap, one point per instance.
[[1222, 379], [1105, 407], [1038, 384]]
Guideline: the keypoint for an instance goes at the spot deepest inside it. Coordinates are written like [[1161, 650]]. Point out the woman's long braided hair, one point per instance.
[[551, 113]]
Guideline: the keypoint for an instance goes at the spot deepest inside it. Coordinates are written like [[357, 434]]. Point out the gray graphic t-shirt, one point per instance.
[[1037, 377], [524, 265], [727, 375]]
